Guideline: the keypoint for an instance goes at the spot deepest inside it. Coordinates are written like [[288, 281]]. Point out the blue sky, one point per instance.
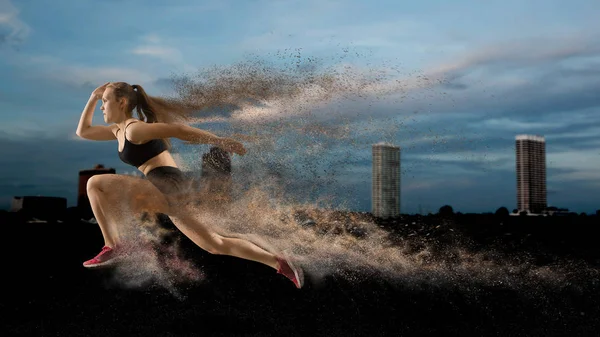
[[495, 69]]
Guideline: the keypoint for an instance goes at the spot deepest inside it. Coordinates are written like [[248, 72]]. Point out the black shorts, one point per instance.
[[170, 180]]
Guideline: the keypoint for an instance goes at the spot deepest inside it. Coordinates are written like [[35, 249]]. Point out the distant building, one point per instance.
[[385, 196], [83, 202], [40, 207], [531, 173]]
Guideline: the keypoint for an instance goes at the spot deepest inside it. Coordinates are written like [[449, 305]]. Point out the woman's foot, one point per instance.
[[106, 257], [289, 270]]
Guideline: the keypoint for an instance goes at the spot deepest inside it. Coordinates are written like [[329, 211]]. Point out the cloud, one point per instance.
[[580, 165], [161, 52], [519, 53], [12, 29], [79, 75], [505, 81], [89, 75], [508, 124], [526, 61], [154, 47]]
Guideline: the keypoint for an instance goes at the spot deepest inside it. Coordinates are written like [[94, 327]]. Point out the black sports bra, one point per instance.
[[138, 154]]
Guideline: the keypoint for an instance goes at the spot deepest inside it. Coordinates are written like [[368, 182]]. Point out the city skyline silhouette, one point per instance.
[[204, 167]]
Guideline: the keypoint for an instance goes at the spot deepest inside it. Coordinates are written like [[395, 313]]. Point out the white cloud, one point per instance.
[[513, 126], [55, 69], [153, 46], [523, 61], [162, 52], [523, 53], [18, 30], [590, 132], [433, 139], [78, 75]]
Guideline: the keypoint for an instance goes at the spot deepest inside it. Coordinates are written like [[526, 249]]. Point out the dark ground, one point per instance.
[[47, 292]]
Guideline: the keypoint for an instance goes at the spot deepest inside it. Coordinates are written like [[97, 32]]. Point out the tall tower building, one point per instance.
[[385, 196], [531, 173]]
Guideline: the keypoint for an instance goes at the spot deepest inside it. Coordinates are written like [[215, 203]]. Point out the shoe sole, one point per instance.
[[104, 264]]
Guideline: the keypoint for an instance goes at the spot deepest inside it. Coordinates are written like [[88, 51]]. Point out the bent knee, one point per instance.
[[95, 183]]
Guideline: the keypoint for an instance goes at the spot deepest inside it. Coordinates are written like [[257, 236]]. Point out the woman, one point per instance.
[[142, 143]]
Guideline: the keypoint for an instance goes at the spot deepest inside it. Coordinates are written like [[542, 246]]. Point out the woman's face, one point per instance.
[[111, 107]]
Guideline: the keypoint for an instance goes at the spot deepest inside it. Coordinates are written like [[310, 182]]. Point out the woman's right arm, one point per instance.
[[85, 128]]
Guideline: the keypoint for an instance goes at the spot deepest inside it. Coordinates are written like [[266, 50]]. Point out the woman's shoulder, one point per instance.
[[139, 131], [133, 120], [128, 122]]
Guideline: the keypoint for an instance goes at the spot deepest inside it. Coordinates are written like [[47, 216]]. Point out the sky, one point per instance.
[[493, 70]]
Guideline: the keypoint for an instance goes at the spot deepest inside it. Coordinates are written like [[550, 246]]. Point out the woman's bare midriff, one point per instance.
[[162, 159]]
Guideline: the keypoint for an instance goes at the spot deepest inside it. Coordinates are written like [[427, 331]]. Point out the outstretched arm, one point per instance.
[[85, 128], [141, 132]]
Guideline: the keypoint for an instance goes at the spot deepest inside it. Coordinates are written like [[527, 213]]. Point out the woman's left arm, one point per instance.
[[141, 132]]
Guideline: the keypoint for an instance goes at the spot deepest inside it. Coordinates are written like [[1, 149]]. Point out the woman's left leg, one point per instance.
[[220, 245], [217, 244]]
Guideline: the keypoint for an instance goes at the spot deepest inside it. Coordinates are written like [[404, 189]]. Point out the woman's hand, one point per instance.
[[98, 92], [232, 145]]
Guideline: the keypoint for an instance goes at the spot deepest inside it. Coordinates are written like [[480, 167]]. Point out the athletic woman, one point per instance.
[[143, 143]]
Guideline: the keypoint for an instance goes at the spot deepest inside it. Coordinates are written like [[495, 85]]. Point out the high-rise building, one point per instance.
[[83, 202], [385, 196], [531, 173]]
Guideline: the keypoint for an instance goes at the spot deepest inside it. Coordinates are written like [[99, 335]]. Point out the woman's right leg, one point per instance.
[[114, 197], [115, 200], [113, 204], [117, 194], [99, 206]]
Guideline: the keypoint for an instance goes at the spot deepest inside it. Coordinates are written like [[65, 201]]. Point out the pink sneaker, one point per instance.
[[289, 270], [104, 258]]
